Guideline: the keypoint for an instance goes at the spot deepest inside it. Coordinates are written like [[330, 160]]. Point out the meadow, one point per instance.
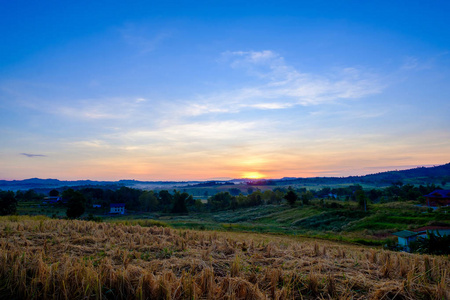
[[42, 258], [349, 223], [320, 220]]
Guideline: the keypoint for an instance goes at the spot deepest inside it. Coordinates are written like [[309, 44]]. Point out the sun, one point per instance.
[[252, 175]]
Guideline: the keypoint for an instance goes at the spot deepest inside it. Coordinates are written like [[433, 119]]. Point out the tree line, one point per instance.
[[180, 202]]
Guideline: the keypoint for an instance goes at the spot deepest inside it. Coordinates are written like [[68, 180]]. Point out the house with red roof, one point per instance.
[[439, 230]]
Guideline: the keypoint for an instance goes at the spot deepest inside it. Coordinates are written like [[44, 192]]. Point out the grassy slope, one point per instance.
[[348, 223], [42, 258]]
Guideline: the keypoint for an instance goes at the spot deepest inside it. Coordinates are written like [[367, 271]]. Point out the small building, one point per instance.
[[117, 208], [53, 200], [438, 198], [405, 237], [438, 230]]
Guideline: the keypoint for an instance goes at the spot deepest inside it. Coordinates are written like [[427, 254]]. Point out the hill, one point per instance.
[[420, 175]]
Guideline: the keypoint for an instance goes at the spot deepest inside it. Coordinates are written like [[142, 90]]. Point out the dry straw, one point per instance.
[[56, 259]]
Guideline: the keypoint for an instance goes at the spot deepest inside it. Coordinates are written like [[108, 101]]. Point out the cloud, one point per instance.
[[143, 38], [33, 155], [253, 57], [305, 88], [413, 63], [99, 109], [282, 86], [180, 139], [204, 133]]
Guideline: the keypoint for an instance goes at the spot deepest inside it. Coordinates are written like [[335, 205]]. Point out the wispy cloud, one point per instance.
[[304, 88], [143, 38], [33, 155], [282, 86], [412, 63], [103, 108]]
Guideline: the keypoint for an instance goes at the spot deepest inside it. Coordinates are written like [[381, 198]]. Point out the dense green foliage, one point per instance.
[[180, 200], [76, 203], [432, 244], [350, 213], [8, 203], [165, 201], [53, 193], [291, 197]]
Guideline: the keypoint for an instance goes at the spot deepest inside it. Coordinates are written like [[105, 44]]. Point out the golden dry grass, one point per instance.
[[58, 259]]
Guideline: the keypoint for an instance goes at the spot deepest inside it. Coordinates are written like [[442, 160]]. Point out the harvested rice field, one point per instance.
[[58, 259]]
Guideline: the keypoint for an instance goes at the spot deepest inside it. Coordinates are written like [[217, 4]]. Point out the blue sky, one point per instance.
[[180, 90]]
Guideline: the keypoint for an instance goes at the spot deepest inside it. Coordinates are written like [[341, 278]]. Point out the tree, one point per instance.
[[220, 201], [291, 197], [241, 200], [306, 197], [148, 201], [19, 195], [233, 203], [76, 203], [8, 203], [30, 195], [255, 198], [53, 193], [434, 243], [179, 205], [277, 197], [198, 205], [129, 196], [361, 198], [165, 199]]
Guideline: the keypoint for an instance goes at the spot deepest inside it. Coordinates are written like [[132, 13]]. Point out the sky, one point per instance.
[[199, 90]]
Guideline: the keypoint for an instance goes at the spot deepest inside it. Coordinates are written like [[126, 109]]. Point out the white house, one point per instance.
[[405, 237], [117, 208]]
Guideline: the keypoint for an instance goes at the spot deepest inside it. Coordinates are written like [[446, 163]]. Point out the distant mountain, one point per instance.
[[419, 172], [419, 175]]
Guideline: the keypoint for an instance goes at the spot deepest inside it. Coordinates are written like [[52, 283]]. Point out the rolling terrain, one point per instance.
[[422, 175]]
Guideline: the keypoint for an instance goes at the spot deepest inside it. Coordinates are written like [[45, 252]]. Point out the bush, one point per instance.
[[8, 203], [434, 243], [76, 203], [91, 217]]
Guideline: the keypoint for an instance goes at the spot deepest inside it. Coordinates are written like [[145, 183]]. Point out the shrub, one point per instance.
[[434, 243], [8, 203]]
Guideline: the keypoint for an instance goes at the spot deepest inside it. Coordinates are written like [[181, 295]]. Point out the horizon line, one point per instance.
[[248, 179]]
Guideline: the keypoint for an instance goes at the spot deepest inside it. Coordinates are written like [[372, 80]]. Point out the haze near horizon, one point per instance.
[[189, 90]]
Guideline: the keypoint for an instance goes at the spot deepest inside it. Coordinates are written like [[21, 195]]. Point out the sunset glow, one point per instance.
[[195, 90], [252, 175]]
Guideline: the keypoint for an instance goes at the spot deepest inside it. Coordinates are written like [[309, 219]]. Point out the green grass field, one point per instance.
[[348, 223]]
